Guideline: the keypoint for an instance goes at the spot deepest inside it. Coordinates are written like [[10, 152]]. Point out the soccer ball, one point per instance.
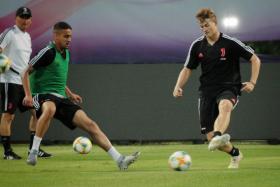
[[82, 145], [180, 161], [5, 63]]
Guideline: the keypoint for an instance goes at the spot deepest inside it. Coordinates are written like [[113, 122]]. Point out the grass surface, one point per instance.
[[260, 168]]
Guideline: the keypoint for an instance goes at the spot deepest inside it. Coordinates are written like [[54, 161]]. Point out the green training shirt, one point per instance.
[[50, 71]]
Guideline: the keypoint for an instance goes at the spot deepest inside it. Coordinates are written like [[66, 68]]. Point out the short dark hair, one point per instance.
[[206, 13], [61, 26]]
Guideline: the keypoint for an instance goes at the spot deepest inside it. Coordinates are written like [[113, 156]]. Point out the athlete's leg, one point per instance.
[[6, 122], [32, 129], [5, 132], [236, 155], [10, 99], [222, 122], [7, 108], [48, 110], [82, 121]]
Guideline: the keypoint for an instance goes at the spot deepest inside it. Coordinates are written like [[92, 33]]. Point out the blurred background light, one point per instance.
[[230, 22]]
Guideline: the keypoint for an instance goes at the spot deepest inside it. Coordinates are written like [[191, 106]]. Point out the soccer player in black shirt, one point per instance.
[[218, 55]]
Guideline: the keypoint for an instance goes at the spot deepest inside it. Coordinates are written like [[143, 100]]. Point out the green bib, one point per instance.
[[51, 78]]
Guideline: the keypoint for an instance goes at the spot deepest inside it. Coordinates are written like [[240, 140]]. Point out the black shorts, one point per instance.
[[65, 109], [11, 98], [208, 108]]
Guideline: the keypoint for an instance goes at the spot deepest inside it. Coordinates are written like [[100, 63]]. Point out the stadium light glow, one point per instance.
[[230, 22]]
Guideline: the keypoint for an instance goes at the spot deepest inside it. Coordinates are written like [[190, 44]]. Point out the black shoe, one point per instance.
[[42, 154], [10, 155]]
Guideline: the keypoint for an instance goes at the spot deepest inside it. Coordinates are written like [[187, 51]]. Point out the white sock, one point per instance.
[[114, 153], [36, 143]]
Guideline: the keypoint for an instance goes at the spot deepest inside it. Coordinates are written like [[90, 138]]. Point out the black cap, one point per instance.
[[24, 12]]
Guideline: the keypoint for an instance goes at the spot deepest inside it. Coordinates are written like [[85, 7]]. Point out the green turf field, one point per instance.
[[260, 168]]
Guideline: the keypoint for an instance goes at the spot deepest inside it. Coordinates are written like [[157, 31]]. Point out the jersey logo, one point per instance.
[[200, 55], [223, 53]]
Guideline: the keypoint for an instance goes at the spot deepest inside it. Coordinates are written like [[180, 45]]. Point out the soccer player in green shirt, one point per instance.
[[53, 99]]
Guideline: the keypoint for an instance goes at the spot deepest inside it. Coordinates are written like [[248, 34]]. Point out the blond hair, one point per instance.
[[206, 13]]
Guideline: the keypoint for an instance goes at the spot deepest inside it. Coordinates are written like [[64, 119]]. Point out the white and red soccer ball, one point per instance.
[[180, 161], [82, 145]]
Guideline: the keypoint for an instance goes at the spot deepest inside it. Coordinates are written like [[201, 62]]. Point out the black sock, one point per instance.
[[234, 152], [217, 133], [6, 143], [32, 134]]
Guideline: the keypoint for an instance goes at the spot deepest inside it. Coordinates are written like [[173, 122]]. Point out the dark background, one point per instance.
[[135, 103]]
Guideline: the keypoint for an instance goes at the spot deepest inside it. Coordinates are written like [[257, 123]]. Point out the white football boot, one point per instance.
[[235, 160], [32, 157], [218, 141], [125, 161]]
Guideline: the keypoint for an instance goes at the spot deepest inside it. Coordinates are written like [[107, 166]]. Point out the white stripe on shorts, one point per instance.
[[6, 96]]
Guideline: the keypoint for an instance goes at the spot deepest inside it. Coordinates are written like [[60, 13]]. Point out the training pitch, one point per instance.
[[259, 168]]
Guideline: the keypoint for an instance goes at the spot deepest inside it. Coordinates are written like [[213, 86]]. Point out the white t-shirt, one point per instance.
[[15, 44]]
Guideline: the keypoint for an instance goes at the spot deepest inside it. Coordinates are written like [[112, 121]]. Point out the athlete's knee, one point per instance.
[[49, 111], [8, 118], [225, 106]]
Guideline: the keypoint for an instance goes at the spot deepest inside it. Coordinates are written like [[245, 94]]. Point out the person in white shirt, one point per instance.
[[15, 43]]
